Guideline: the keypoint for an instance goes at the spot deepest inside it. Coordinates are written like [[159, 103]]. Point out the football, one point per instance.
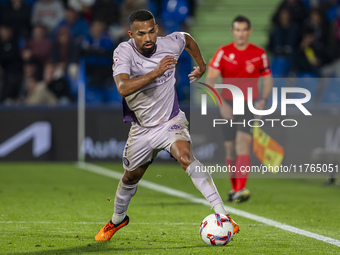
[[216, 229]]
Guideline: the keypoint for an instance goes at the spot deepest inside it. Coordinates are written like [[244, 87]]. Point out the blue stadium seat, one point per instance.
[[95, 94], [174, 13], [280, 66], [184, 67], [112, 96]]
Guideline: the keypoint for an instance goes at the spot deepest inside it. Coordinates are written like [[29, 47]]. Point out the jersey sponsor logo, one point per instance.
[[250, 68], [230, 60], [254, 59]]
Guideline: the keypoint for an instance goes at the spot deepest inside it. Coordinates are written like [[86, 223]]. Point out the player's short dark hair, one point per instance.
[[241, 18], [140, 15]]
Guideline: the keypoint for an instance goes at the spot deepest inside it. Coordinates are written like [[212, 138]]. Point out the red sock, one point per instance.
[[231, 162], [241, 177]]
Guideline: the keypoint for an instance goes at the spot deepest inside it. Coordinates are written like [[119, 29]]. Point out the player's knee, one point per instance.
[[243, 148], [231, 154], [129, 179], [185, 161]]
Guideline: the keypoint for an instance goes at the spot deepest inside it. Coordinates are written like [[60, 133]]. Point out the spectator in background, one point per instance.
[[30, 68], [174, 15], [310, 59], [38, 93], [64, 58], [332, 11], [118, 31], [57, 84], [78, 27], [283, 40], [296, 8], [128, 6], [316, 22], [64, 51], [307, 59], [333, 18], [10, 65], [107, 11], [83, 7], [38, 47], [97, 51], [48, 13], [17, 14], [285, 35]]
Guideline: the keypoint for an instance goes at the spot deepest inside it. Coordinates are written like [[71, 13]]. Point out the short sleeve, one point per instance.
[[215, 61], [121, 60], [264, 66], [178, 39]]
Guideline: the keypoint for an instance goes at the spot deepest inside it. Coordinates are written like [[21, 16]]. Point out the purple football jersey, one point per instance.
[[157, 102]]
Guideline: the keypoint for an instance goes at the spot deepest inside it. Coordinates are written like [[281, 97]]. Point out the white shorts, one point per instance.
[[143, 144]]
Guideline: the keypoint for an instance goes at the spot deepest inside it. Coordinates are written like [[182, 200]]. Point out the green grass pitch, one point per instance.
[[56, 208]]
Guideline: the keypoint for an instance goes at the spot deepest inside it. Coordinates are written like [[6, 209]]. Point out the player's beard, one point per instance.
[[148, 50]]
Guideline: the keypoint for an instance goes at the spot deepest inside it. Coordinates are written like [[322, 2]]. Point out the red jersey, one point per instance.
[[246, 66]]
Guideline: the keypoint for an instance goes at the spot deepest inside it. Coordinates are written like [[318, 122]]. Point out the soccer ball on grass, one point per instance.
[[216, 229]]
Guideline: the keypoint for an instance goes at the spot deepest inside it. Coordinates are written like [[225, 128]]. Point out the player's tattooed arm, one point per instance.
[[127, 86], [192, 48]]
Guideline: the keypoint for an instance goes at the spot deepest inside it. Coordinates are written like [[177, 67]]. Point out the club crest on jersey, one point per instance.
[[175, 127], [126, 161], [250, 68], [115, 61]]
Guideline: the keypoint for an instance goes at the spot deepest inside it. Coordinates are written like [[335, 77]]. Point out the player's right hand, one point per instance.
[[169, 62], [226, 111]]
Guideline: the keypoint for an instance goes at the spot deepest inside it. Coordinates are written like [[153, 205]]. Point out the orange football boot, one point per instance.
[[106, 232], [236, 227]]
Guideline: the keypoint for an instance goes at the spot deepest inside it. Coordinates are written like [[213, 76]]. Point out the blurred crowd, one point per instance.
[[305, 39], [45, 43]]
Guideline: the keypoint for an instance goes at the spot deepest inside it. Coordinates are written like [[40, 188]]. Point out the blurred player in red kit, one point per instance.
[[240, 63]]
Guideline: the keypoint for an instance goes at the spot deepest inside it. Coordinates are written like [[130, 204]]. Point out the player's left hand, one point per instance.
[[196, 74]]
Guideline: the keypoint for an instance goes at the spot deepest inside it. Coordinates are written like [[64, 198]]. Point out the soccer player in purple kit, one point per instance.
[[144, 73]]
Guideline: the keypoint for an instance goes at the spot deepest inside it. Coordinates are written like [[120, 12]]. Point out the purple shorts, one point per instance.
[[143, 143]]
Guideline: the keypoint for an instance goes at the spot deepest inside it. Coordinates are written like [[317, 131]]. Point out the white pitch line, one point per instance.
[[172, 192]]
